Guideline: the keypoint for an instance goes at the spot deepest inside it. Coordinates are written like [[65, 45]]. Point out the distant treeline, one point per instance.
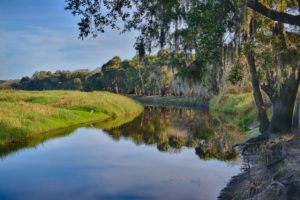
[[153, 75], [117, 76], [163, 74]]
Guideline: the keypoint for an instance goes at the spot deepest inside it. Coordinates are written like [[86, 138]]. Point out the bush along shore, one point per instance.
[[25, 115]]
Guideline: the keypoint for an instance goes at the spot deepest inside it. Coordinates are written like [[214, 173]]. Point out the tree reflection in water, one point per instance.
[[173, 129]]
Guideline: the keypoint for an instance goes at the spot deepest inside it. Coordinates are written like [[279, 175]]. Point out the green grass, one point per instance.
[[25, 115], [172, 101], [235, 108]]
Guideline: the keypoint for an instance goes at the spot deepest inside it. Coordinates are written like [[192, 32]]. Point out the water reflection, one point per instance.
[[90, 165], [173, 129], [113, 160], [59, 133], [170, 129]]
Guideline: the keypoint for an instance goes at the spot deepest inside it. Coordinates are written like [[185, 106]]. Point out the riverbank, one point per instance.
[[173, 102], [25, 115], [271, 170], [270, 164], [237, 109]]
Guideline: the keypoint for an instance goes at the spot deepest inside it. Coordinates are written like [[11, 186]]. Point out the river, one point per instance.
[[162, 154]]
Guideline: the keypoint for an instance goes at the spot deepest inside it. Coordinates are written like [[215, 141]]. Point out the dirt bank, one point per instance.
[[271, 170]]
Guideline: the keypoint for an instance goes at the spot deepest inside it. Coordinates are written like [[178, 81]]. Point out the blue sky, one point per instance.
[[40, 35]]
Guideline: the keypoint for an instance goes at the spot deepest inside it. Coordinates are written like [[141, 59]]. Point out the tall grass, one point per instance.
[[26, 114], [235, 107]]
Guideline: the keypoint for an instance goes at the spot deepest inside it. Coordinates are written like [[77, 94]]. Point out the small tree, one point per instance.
[[77, 84]]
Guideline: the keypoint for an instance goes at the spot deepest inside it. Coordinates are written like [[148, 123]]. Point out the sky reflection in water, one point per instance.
[[89, 164]]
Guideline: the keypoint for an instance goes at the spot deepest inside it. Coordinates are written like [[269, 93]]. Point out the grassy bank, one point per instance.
[[234, 108], [231, 106], [24, 114], [173, 101]]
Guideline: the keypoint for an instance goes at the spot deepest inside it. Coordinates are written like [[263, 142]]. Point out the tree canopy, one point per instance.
[[264, 34]]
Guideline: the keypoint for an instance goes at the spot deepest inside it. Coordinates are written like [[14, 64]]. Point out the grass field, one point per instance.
[[24, 114]]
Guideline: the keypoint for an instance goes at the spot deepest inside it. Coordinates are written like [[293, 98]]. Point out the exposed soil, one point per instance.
[[271, 170]]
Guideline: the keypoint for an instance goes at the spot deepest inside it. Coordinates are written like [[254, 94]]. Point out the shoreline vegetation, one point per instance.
[[26, 118], [26, 115], [173, 102], [232, 107], [237, 109], [38, 139]]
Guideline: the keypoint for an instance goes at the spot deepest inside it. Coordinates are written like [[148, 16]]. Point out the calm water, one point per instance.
[[163, 154]]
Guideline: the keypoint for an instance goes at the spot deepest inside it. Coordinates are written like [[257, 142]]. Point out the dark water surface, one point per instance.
[[163, 154]]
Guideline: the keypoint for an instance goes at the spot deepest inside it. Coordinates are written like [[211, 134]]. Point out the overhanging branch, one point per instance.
[[272, 14]]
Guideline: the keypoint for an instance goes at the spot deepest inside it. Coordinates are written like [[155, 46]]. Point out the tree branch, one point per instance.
[[272, 14]]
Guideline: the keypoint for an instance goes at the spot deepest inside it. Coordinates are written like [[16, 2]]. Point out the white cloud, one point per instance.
[[23, 52]]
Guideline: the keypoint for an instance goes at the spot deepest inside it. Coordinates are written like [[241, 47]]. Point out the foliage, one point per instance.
[[236, 73], [46, 80], [116, 75], [184, 27], [272, 50]]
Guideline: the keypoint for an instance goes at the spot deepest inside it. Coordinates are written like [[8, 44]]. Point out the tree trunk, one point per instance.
[[283, 107], [135, 91], [259, 102], [117, 89], [142, 82], [297, 121], [296, 118], [282, 117], [258, 98]]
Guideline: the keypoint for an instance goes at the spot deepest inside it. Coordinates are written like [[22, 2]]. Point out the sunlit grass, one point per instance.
[[26, 114], [238, 109]]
